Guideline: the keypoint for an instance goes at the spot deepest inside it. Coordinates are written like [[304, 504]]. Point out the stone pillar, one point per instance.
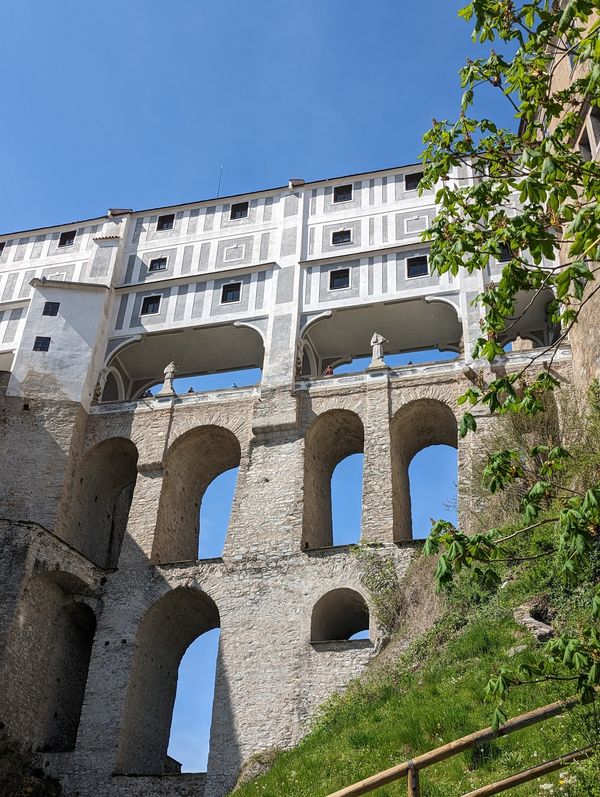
[[109, 675], [143, 513], [377, 508]]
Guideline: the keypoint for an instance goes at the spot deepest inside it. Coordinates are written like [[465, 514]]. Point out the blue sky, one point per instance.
[[140, 104]]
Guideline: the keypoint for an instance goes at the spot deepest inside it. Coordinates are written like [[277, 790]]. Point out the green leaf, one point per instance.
[[467, 424]]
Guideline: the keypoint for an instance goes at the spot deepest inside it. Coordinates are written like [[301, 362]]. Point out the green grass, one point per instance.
[[432, 695]]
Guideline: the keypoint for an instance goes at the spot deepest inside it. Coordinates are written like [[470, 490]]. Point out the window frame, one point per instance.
[[164, 258], [505, 255], [417, 276], [147, 299], [50, 309], [42, 343], [245, 204], [227, 285], [338, 271], [66, 239], [347, 232], [339, 188], [410, 175], [160, 224]]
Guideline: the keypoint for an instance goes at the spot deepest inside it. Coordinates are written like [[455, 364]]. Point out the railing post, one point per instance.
[[414, 790]]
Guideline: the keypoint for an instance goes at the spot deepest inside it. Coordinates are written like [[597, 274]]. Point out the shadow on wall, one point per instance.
[[193, 461], [47, 660], [101, 500]]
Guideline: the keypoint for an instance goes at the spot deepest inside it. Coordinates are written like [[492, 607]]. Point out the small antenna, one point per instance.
[[219, 188]]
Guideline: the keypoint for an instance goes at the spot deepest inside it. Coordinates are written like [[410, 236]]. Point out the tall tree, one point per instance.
[[552, 237]]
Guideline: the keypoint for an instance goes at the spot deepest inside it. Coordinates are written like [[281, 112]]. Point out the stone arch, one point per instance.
[[331, 437], [114, 390], [102, 493], [167, 629], [48, 656], [338, 615], [195, 458], [420, 423]]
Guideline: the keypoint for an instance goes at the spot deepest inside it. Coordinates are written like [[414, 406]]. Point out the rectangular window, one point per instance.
[[411, 181], [342, 193], [339, 279], [165, 222], [2, 245], [341, 237], [417, 266], [158, 264], [231, 293], [41, 344], [239, 210], [150, 305], [505, 255], [51, 308], [67, 238]]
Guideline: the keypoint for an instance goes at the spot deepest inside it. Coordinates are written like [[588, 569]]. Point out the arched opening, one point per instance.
[[416, 426], [408, 358], [436, 466], [111, 390], [47, 661], [167, 630], [339, 615], [215, 512], [331, 438], [189, 737], [530, 327], [194, 460], [416, 330], [346, 500], [207, 358], [102, 493]]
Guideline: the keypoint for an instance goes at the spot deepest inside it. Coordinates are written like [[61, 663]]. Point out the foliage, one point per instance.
[[379, 576], [536, 196]]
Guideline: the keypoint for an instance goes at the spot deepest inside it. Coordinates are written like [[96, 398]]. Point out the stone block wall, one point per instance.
[[107, 734]]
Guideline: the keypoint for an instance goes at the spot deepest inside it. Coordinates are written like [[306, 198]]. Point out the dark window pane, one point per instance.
[[2, 245], [342, 193], [584, 147], [51, 308], [417, 266], [341, 237], [158, 264], [165, 222], [505, 254], [67, 238], [411, 181], [150, 305], [41, 344], [239, 210], [339, 279], [231, 292]]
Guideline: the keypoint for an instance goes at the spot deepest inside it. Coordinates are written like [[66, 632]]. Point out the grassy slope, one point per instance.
[[431, 695]]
